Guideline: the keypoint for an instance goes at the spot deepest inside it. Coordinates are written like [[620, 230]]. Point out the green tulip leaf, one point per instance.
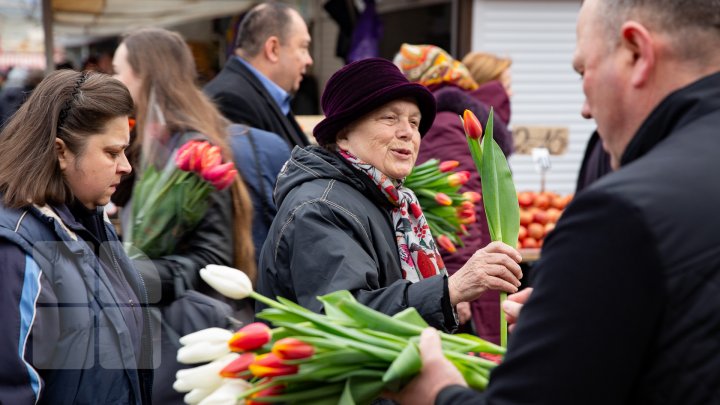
[[410, 315], [330, 305], [360, 391], [405, 366], [498, 191]]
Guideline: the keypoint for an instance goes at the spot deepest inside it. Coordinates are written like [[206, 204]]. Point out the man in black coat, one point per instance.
[[257, 83], [626, 301]]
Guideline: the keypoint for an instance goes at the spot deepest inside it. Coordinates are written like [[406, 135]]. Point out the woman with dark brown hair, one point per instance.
[[76, 329], [158, 68]]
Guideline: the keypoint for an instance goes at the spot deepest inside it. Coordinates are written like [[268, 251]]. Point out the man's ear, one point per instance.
[[63, 153], [272, 49], [642, 47]]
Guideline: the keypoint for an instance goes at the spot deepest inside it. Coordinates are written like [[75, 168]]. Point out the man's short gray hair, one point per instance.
[[689, 22], [262, 22]]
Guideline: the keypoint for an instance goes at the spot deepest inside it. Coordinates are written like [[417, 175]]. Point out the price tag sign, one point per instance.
[[527, 137]]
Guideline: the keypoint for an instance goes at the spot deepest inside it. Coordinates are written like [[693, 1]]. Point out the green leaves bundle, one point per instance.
[[350, 355]]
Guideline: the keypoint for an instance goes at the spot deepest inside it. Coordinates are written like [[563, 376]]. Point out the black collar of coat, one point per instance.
[[676, 110]]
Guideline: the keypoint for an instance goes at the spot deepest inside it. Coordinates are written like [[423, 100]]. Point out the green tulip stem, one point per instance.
[[267, 301], [503, 322]]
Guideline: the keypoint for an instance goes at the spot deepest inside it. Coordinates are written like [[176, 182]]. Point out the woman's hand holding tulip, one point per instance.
[[494, 267]]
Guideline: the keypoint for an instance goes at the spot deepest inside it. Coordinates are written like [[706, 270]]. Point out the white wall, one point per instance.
[[539, 36]]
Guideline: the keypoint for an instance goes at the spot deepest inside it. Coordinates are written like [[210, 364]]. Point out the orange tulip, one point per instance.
[[291, 349], [270, 365], [446, 243], [472, 126], [250, 337], [456, 179], [211, 157], [471, 219], [448, 165], [443, 199], [196, 157], [472, 196]]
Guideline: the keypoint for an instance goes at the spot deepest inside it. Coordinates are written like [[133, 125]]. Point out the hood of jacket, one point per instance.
[[314, 163]]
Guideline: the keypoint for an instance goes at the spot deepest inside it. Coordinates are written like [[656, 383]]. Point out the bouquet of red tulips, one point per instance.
[[447, 211], [349, 355], [173, 199]]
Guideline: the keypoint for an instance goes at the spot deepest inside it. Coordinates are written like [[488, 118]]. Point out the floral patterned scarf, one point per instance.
[[419, 256]]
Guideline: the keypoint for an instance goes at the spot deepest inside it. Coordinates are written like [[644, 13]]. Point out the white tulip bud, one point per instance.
[[206, 335], [205, 377], [227, 393], [228, 281], [196, 395], [202, 352]]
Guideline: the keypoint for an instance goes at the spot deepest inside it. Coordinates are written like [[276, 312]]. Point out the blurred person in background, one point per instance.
[[455, 91], [257, 83], [486, 67], [76, 329], [17, 90], [158, 69], [345, 221]]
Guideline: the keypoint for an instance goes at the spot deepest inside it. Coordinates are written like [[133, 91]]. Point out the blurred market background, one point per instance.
[[538, 35]]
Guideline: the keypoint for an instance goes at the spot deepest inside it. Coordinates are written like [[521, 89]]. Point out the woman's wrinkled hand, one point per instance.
[[513, 305], [494, 267]]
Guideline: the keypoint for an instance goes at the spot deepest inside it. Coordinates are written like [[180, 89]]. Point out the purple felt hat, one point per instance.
[[363, 86]]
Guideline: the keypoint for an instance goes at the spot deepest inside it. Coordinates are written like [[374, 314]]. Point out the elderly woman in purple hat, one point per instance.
[[345, 221]]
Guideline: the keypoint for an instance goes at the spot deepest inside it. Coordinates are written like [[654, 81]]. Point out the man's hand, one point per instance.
[[437, 373], [513, 305], [464, 312]]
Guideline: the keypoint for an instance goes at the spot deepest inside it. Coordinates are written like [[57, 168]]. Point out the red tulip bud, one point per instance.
[[267, 392], [495, 358], [184, 155], [238, 366], [472, 126], [226, 180], [448, 165], [443, 199], [131, 123], [471, 219], [270, 365], [291, 349], [250, 337], [446, 243], [217, 172]]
